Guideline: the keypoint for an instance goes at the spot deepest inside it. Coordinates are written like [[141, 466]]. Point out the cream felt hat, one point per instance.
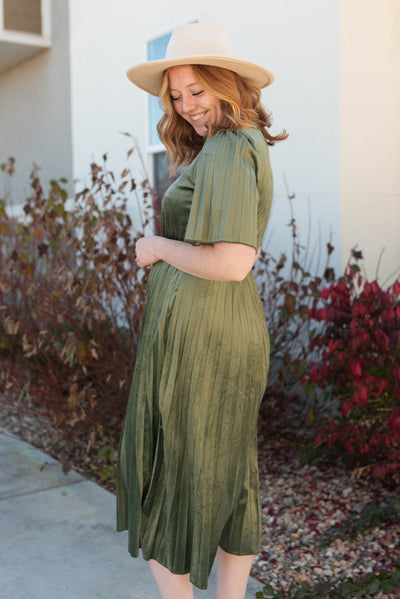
[[197, 44]]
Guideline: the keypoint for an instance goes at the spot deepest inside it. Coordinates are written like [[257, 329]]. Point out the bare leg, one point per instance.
[[172, 586], [232, 574]]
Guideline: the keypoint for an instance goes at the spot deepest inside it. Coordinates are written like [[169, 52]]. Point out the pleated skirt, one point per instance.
[[187, 477]]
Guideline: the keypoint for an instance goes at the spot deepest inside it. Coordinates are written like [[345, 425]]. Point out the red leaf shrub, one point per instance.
[[360, 368]]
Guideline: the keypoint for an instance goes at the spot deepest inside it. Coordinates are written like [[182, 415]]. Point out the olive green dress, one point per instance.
[[187, 464]]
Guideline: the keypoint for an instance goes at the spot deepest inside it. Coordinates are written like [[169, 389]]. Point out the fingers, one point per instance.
[[144, 252]]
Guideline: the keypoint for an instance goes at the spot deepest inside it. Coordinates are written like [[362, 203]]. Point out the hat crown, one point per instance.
[[199, 39], [197, 44]]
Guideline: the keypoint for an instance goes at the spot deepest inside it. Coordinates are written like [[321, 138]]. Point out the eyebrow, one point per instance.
[[190, 85]]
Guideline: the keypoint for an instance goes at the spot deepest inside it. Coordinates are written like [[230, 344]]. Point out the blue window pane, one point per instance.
[[156, 50], [155, 113]]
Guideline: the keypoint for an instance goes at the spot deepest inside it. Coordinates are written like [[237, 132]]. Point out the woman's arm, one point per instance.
[[217, 262]]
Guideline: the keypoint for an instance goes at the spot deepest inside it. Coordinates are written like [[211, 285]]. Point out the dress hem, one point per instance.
[[200, 586]]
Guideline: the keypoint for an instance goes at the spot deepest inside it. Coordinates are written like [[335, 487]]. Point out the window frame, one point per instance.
[[26, 36], [197, 18], [21, 45], [153, 149]]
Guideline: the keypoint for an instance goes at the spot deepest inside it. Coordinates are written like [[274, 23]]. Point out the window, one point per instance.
[[23, 15], [25, 30], [156, 49]]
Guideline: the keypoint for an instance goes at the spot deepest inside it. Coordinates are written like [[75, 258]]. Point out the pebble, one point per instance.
[[301, 503]]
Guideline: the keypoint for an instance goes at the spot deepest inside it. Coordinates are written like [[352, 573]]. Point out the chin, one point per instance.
[[202, 131]]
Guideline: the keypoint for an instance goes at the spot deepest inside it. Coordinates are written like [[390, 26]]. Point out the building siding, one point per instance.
[[337, 93], [35, 111], [370, 133]]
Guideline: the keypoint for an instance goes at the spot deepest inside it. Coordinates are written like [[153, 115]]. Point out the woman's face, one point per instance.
[[197, 106]]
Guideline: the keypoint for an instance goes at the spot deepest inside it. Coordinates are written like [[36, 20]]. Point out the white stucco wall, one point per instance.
[[299, 42], [370, 132], [35, 124], [103, 102], [337, 92]]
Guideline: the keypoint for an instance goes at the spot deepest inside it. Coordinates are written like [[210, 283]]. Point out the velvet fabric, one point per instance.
[[187, 477]]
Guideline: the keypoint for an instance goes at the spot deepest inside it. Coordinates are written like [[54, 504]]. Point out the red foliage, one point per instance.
[[360, 368]]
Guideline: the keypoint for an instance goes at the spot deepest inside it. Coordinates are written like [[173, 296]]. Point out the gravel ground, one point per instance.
[[301, 503]]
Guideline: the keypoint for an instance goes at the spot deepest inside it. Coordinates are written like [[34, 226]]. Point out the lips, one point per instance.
[[199, 116]]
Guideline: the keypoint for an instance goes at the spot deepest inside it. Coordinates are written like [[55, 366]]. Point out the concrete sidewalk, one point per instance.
[[57, 535]]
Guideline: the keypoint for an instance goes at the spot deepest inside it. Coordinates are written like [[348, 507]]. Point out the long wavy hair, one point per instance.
[[241, 108]]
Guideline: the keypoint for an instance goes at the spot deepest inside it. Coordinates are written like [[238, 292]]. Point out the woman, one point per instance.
[[187, 470]]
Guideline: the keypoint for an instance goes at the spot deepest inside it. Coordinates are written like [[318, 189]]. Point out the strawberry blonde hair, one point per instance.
[[241, 108]]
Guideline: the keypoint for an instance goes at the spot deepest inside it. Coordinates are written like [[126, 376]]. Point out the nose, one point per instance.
[[188, 102]]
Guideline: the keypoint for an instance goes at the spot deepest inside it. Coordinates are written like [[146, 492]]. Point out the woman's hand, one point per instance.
[[145, 255]]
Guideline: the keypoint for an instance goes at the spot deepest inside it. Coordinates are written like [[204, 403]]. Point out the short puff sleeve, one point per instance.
[[225, 197]]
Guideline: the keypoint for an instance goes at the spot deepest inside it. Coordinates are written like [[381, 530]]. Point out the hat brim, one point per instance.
[[149, 75]]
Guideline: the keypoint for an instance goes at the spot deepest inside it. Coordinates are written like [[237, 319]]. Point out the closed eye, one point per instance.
[[193, 94]]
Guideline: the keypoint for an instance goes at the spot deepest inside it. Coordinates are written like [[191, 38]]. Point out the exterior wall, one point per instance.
[[299, 42], [35, 121], [370, 132], [302, 41], [104, 103], [337, 92]]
